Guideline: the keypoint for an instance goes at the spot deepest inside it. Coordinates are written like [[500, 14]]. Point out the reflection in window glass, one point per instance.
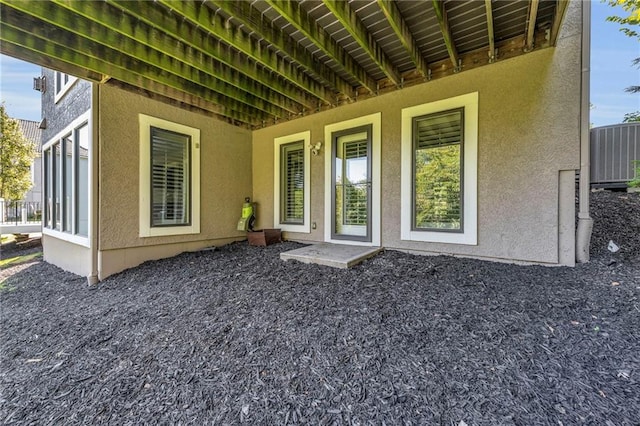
[[66, 182], [82, 180], [67, 195], [292, 183], [438, 171], [57, 185], [170, 191]]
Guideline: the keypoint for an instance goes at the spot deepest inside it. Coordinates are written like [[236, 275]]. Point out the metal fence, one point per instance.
[[20, 212], [613, 151]]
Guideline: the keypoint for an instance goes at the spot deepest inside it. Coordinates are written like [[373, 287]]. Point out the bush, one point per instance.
[[635, 182]]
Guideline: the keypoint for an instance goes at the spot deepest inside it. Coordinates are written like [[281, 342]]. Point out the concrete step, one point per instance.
[[335, 255]]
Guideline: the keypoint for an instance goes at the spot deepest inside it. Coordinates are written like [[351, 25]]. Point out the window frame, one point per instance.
[[368, 129], [146, 122], [61, 89], [413, 172], [375, 121], [468, 235], [305, 226], [49, 188], [188, 214]]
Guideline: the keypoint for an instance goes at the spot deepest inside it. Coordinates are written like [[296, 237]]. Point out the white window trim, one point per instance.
[[376, 138], [65, 236], [305, 137], [470, 178], [145, 229], [59, 92]]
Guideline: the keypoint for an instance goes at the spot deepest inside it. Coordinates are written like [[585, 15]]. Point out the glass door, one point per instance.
[[351, 188]]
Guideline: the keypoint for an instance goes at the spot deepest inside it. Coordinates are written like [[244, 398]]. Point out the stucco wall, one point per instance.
[[225, 180], [528, 132]]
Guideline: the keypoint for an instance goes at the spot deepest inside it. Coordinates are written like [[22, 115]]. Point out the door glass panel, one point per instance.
[[351, 203]]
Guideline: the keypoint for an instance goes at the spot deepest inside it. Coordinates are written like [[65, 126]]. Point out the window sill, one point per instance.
[[74, 239]]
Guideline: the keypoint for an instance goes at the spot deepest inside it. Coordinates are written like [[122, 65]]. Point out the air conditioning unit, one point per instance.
[[39, 84]]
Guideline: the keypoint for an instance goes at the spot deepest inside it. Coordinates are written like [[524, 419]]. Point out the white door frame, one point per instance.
[[329, 129]]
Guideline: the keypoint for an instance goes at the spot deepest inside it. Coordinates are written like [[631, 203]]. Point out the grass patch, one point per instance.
[[4, 287], [7, 238], [12, 261]]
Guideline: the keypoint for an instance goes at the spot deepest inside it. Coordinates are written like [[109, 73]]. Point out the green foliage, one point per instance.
[[438, 188], [16, 156], [631, 117], [635, 182], [631, 19], [632, 12]]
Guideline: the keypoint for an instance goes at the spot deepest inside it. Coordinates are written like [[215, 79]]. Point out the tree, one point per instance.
[[631, 117], [16, 155], [632, 10]]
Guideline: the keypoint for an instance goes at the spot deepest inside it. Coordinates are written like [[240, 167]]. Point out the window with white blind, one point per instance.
[[169, 178], [439, 171], [291, 182], [170, 189], [66, 182]]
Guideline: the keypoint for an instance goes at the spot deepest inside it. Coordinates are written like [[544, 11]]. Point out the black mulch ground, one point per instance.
[[236, 335]]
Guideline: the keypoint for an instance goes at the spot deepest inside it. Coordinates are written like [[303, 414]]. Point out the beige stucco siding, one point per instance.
[[225, 180], [528, 133]]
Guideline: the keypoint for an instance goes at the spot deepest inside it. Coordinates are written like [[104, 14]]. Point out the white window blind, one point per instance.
[[355, 187], [438, 140], [170, 185], [292, 183]]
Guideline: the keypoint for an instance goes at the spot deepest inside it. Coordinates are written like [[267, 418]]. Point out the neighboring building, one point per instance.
[[31, 130], [479, 163]]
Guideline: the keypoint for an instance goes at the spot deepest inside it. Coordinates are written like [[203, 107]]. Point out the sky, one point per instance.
[[611, 72]]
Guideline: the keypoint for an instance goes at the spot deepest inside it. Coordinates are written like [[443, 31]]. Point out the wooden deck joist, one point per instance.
[[205, 18], [23, 30], [251, 18], [297, 17], [206, 46], [400, 28], [558, 18], [443, 21], [350, 21], [531, 24], [153, 47], [490, 33]]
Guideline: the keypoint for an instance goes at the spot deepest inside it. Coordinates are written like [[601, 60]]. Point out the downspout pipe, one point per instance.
[[585, 222], [93, 277]]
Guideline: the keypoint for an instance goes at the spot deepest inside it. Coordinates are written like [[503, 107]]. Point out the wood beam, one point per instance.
[[151, 61], [206, 19], [36, 56], [171, 55], [30, 33], [531, 24], [399, 26], [354, 26], [251, 18], [195, 104], [297, 17], [490, 32], [441, 13], [558, 18], [206, 47]]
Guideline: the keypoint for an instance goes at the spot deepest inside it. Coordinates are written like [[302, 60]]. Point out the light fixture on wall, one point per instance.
[[315, 148]]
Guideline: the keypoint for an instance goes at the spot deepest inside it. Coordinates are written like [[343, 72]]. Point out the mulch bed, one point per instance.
[[237, 336]]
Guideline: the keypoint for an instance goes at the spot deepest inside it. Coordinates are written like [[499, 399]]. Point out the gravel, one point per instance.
[[236, 335]]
